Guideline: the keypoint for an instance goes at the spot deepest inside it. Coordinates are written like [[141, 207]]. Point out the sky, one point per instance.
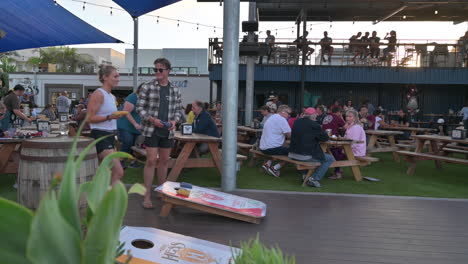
[[166, 34]]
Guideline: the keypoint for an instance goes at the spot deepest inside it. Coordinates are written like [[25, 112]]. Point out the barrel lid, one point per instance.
[[55, 142]]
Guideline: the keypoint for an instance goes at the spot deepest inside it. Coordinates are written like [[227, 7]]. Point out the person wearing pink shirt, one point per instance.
[[355, 132]]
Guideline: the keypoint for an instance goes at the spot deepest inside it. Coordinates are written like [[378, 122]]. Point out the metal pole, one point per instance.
[[230, 93], [250, 79], [135, 53], [304, 51]]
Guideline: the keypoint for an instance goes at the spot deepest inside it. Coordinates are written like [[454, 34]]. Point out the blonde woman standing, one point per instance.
[[101, 118]]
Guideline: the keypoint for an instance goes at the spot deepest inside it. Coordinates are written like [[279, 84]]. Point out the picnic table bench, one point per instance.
[[438, 154], [351, 161], [373, 146]]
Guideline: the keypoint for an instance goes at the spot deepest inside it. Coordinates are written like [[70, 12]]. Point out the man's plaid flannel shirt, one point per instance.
[[148, 105]]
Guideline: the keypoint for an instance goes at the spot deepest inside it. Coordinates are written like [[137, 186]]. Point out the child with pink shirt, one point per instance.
[[355, 131]]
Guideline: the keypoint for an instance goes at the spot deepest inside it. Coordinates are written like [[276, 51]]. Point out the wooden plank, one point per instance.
[[384, 149], [367, 158], [458, 151], [428, 156], [391, 140], [356, 170], [198, 138], [212, 210], [5, 152], [181, 160]]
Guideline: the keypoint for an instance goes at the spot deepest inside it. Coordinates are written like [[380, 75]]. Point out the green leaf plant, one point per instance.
[[254, 252], [56, 233]]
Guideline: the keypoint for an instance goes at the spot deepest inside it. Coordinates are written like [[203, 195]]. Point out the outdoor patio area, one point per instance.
[[332, 228]]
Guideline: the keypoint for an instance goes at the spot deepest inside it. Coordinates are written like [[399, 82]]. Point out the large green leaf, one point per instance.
[[68, 197], [53, 239], [15, 226], [101, 180], [103, 231]]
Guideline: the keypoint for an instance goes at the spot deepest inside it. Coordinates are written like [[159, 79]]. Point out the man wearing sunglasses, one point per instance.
[[159, 104]]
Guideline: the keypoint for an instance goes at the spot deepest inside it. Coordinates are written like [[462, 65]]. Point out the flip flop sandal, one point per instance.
[[147, 205]]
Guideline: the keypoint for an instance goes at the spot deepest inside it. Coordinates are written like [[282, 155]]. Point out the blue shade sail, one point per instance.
[[138, 8], [41, 23]]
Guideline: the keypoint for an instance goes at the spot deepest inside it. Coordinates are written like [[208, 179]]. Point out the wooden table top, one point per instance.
[[342, 142], [11, 140], [195, 137], [441, 138], [417, 129], [383, 132], [249, 129]]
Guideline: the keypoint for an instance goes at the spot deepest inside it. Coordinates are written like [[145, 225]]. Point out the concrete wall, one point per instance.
[[42, 84], [178, 57]]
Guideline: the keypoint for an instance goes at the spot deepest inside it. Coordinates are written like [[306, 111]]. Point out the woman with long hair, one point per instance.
[[102, 117], [355, 132]]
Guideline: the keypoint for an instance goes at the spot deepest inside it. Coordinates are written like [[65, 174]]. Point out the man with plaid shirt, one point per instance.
[[159, 106]]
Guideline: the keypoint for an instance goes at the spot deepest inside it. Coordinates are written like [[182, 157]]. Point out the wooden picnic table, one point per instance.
[[414, 130], [249, 129], [438, 153], [7, 147], [190, 141], [351, 160], [373, 146]]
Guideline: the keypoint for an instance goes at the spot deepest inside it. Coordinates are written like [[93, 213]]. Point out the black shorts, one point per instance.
[[107, 143], [156, 141]]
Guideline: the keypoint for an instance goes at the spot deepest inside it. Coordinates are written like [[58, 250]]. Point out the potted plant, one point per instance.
[[56, 233]]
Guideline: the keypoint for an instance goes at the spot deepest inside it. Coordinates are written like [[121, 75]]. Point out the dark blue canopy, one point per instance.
[[40, 23], [141, 7]]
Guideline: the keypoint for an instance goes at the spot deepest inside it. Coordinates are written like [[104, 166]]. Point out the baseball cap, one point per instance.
[[310, 111]]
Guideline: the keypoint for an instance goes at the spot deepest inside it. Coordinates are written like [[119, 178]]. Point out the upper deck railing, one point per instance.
[[407, 53]]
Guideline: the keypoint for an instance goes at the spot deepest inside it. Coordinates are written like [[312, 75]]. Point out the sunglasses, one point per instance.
[[158, 70]]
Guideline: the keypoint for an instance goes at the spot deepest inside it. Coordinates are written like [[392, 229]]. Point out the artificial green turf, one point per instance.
[[450, 182]]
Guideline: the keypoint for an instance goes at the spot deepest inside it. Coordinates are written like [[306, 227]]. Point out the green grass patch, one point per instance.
[[450, 182]]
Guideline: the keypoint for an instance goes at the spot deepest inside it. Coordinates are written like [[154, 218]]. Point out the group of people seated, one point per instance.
[[306, 132], [314, 126]]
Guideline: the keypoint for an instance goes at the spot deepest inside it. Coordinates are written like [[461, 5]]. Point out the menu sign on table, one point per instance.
[[163, 247], [220, 200]]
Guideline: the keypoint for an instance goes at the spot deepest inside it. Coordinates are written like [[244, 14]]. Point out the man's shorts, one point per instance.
[[282, 151], [156, 141], [107, 143]]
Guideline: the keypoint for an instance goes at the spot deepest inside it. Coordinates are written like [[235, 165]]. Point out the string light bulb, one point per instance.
[[177, 23], [111, 11], [214, 30], [84, 6], [197, 26], [157, 20], [436, 12], [404, 17], [55, 3]]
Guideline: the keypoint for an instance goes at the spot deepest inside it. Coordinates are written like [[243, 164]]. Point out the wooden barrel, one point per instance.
[[41, 158]]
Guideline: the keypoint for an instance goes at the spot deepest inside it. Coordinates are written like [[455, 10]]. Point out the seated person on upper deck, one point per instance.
[[305, 145], [203, 124], [325, 44], [303, 42]]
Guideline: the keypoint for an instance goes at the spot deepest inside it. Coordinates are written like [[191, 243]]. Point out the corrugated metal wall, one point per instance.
[[343, 74]]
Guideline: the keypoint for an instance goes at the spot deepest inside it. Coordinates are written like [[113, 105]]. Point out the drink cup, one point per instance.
[[329, 132]]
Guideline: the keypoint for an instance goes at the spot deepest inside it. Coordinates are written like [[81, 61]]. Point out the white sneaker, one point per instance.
[[274, 172]]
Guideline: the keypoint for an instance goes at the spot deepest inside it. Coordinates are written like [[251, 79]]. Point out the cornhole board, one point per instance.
[[155, 246], [211, 201]]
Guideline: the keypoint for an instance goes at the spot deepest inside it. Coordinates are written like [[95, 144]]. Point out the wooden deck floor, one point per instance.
[[332, 229]]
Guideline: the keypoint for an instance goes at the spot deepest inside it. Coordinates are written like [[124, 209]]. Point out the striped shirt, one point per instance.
[[148, 105]]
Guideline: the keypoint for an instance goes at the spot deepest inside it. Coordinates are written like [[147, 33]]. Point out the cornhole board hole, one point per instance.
[[155, 246], [213, 202]]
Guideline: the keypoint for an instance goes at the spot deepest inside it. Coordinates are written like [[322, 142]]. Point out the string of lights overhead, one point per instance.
[[176, 21]]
